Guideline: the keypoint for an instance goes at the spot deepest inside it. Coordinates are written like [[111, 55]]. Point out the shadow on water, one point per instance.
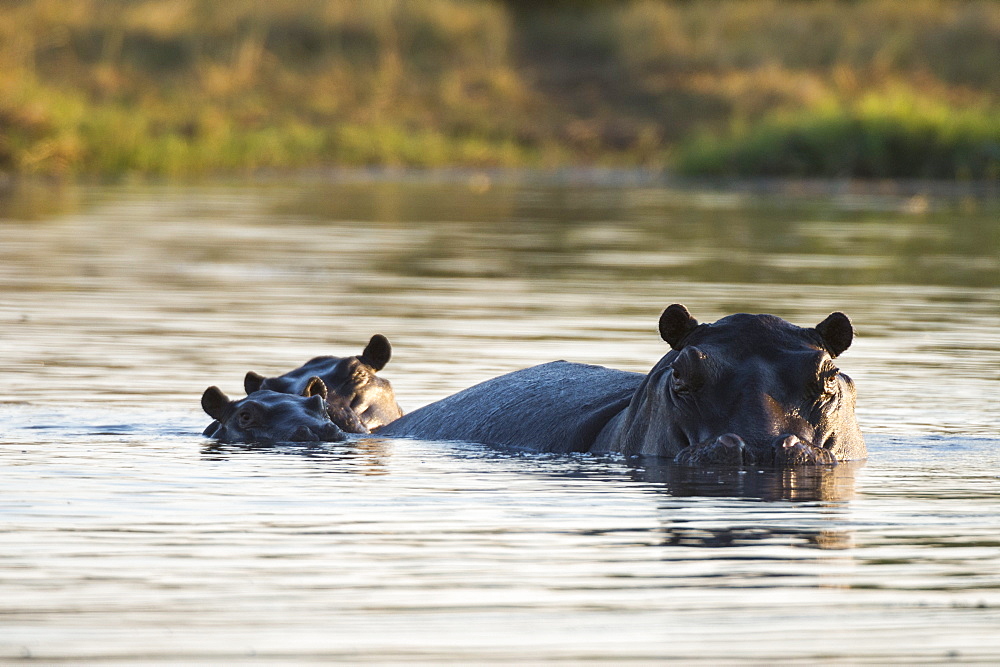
[[710, 507], [365, 456], [795, 483], [720, 506], [370, 455], [834, 484], [679, 535], [822, 491]]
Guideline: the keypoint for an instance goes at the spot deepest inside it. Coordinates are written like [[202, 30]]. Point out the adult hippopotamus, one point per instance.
[[268, 416], [359, 400], [747, 389]]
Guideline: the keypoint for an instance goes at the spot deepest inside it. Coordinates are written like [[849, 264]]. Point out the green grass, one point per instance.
[[876, 138], [800, 87]]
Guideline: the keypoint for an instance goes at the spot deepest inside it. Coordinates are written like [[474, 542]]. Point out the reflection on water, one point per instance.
[[370, 456], [793, 483], [365, 456], [126, 536]]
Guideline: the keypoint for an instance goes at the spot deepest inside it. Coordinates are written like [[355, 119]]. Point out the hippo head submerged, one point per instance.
[[359, 400], [747, 389], [267, 417]]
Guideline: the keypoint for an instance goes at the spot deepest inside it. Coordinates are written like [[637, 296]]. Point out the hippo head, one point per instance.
[[267, 416], [359, 400], [750, 389]]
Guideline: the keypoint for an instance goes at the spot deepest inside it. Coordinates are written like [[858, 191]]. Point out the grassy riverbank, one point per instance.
[[877, 137], [179, 87]]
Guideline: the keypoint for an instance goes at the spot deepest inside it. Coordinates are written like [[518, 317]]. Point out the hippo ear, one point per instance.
[[676, 323], [377, 352], [836, 332], [315, 387], [252, 382], [214, 402]]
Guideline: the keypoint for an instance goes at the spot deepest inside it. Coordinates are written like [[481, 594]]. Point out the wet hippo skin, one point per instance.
[[268, 417], [359, 400], [747, 389]]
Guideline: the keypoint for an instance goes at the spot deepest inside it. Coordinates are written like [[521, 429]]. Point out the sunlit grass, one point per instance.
[[179, 87], [878, 137]]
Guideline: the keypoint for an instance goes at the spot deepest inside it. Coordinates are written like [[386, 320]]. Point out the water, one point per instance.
[[125, 536]]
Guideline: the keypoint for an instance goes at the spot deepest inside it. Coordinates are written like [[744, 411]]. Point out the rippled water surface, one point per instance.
[[125, 535]]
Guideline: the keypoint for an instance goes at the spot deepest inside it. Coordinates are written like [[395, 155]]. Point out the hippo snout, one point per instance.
[[727, 449], [789, 449], [331, 433], [304, 434], [731, 449], [322, 433]]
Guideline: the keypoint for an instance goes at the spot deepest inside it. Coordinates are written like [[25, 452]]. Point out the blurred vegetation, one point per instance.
[[883, 88], [879, 136]]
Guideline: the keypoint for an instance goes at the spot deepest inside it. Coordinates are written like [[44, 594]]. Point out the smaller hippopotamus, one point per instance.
[[359, 401], [267, 417]]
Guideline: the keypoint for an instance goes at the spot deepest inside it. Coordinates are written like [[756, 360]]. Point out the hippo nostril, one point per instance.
[[331, 433], [730, 440], [304, 434], [726, 449], [792, 450], [789, 441]]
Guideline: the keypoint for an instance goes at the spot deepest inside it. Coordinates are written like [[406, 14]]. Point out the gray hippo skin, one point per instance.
[[359, 400], [747, 389], [267, 417]]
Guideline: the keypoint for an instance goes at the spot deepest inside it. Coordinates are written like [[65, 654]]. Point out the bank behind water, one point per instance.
[[881, 89]]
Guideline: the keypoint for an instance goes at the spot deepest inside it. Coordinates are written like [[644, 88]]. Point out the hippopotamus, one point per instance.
[[359, 400], [267, 417], [745, 390]]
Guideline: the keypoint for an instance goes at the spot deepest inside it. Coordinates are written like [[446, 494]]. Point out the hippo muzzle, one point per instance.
[[731, 449]]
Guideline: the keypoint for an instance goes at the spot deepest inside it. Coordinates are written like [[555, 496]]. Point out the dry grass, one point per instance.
[[182, 87]]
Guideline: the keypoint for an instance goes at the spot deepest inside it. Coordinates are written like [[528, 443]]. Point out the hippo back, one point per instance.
[[555, 407]]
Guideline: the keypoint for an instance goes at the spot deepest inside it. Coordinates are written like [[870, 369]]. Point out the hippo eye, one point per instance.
[[688, 372], [827, 379], [245, 418]]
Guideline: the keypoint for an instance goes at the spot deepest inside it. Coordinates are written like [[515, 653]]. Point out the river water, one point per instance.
[[126, 536]]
